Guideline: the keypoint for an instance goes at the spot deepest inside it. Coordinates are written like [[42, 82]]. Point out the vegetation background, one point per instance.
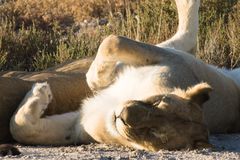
[[37, 34]]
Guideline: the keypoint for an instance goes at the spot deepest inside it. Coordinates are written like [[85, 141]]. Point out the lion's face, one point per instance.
[[171, 121]]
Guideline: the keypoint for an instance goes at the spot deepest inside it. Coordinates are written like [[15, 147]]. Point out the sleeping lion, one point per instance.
[[156, 102], [145, 97]]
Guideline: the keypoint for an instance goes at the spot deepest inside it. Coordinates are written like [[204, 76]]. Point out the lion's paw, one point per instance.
[[43, 91], [43, 95], [7, 149], [36, 101]]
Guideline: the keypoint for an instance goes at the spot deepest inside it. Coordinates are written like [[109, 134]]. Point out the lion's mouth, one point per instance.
[[119, 125]]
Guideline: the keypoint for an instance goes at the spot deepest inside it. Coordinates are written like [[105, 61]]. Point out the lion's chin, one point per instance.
[[115, 126]]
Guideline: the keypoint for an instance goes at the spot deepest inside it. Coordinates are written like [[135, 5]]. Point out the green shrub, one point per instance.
[[37, 34]]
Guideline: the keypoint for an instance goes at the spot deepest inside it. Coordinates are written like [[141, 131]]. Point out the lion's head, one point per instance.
[[171, 121]]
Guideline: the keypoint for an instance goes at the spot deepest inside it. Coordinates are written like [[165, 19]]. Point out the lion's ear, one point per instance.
[[199, 93]]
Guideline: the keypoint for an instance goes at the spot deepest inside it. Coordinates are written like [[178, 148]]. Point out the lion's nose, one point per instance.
[[133, 114], [124, 116]]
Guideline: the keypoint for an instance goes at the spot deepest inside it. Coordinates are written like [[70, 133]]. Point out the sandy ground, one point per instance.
[[226, 147]]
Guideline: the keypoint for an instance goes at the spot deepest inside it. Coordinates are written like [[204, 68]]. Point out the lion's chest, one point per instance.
[[133, 84], [139, 83]]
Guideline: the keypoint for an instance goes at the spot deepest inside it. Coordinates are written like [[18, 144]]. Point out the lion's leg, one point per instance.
[[113, 49], [27, 125], [185, 38]]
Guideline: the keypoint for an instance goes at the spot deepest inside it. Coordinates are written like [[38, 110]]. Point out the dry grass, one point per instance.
[[46, 13], [36, 34], [219, 36]]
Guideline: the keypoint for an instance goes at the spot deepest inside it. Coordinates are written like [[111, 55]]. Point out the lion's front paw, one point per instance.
[[35, 102], [42, 96], [42, 91]]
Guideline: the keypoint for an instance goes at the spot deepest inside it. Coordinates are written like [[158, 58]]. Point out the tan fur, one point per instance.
[[147, 97], [12, 92]]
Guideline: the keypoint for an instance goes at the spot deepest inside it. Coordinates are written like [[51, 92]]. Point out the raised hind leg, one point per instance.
[[185, 38], [28, 126]]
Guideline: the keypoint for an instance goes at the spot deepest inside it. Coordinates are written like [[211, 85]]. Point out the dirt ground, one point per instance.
[[226, 147]]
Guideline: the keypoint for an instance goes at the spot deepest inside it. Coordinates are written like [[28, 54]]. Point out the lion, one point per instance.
[[151, 96], [146, 97], [69, 80], [161, 104], [126, 123]]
